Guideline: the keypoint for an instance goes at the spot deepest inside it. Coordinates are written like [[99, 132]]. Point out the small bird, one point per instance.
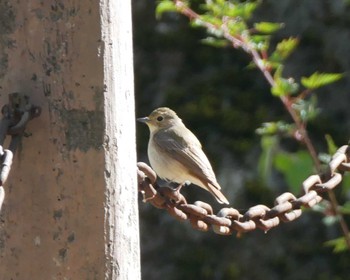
[[176, 154]]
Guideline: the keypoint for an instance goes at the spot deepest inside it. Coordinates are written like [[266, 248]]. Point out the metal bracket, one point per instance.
[[16, 114], [19, 112]]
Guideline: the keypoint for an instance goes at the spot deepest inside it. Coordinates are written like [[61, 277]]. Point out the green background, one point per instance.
[[223, 102]]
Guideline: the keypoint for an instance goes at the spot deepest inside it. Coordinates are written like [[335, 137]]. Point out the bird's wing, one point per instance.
[[187, 150]]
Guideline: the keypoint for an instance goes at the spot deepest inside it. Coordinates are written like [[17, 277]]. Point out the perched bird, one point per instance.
[[176, 154]]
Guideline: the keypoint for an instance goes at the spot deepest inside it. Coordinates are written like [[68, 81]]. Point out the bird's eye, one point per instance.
[[160, 118]]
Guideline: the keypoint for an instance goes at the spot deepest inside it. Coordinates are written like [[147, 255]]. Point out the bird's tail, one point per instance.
[[217, 194]]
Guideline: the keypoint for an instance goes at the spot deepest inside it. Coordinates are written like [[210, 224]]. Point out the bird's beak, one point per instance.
[[143, 120]]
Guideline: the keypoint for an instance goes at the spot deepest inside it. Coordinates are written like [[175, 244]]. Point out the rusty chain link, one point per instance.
[[15, 116], [286, 209]]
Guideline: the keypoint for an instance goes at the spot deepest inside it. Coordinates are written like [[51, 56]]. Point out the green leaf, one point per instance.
[[346, 183], [236, 26], [284, 49], [307, 108], [339, 244], [268, 145], [214, 42], [272, 128], [245, 10], [345, 209], [295, 167], [213, 8], [268, 27], [317, 80], [283, 87], [165, 6], [233, 10], [261, 42], [287, 46], [278, 73], [332, 147]]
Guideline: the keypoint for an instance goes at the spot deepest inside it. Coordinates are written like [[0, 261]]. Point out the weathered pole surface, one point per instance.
[[70, 210]]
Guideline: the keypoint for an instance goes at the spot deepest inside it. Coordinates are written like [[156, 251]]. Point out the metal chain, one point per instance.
[[15, 116], [287, 207]]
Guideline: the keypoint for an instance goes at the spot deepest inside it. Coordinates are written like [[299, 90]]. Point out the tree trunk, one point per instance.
[[70, 210]]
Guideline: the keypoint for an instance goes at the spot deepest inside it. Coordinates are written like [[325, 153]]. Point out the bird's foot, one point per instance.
[[146, 198], [179, 187]]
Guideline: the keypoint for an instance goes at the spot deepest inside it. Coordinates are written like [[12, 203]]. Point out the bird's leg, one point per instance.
[[179, 187], [145, 198], [149, 192]]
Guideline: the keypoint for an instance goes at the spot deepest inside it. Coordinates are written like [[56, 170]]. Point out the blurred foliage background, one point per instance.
[[223, 102]]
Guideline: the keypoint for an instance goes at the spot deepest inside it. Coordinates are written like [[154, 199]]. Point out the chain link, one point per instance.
[[16, 115], [287, 207]]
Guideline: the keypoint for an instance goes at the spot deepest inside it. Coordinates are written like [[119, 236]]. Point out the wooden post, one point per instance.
[[70, 210]]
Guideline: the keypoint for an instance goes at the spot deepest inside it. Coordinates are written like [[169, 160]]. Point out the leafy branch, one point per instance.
[[227, 23]]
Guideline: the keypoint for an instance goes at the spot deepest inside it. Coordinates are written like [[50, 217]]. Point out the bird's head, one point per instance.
[[161, 118]]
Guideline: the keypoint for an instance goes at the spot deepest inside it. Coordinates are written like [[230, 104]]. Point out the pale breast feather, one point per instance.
[[191, 156]]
